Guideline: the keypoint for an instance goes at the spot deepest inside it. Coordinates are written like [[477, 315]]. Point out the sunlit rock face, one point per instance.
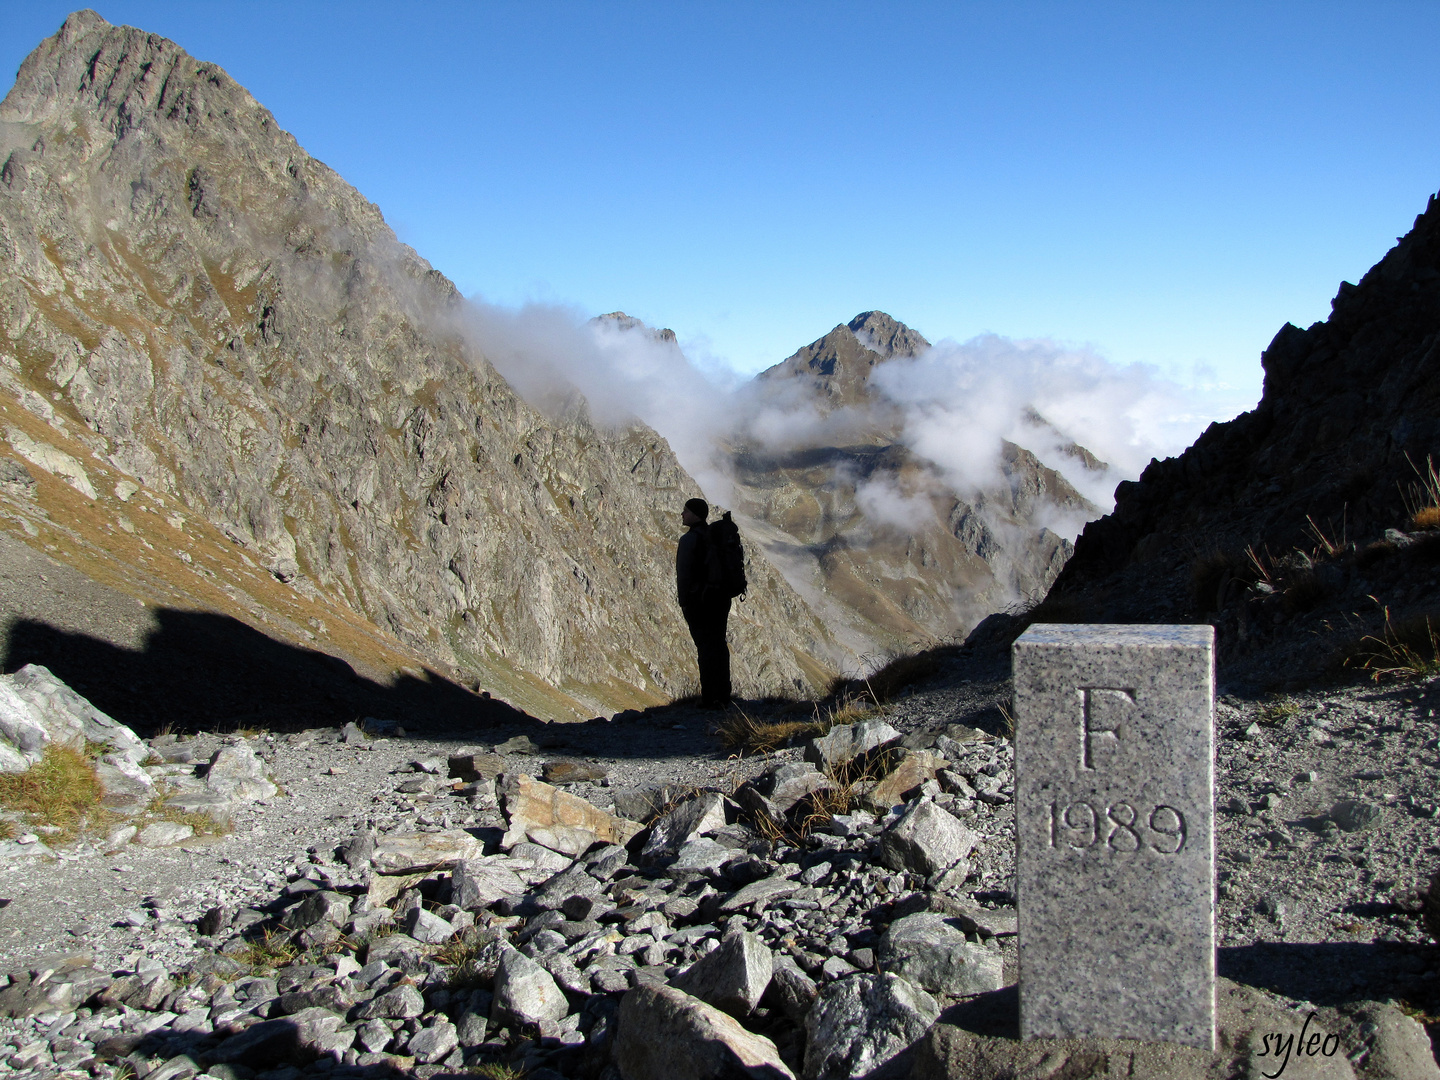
[[224, 384]]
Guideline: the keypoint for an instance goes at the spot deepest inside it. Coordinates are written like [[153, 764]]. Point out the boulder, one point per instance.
[[401, 1003], [925, 840], [409, 853], [321, 906], [237, 773], [695, 817], [525, 993], [848, 741], [665, 1034], [914, 769], [427, 927], [784, 785], [774, 887], [733, 977], [570, 771], [430, 1044], [218, 808], [644, 803], [37, 708], [979, 1040], [126, 787], [1356, 815], [791, 990], [700, 857], [397, 950], [863, 1022], [292, 1039], [477, 884], [925, 949], [356, 852], [556, 819], [471, 767], [164, 834], [570, 882]]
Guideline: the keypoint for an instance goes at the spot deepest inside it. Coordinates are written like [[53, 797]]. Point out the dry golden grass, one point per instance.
[[60, 790], [740, 731], [1426, 519], [1422, 498], [1409, 649], [1331, 544], [851, 780], [268, 952]]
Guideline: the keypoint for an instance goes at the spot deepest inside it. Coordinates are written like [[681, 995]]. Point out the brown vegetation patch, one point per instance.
[[61, 790]]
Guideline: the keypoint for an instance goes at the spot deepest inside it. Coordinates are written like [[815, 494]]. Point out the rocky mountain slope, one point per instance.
[[1293, 528], [226, 386], [883, 582]]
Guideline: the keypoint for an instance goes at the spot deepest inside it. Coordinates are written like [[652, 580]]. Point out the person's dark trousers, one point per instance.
[[707, 620]]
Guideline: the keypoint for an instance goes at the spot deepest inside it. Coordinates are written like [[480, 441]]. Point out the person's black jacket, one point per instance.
[[692, 566]]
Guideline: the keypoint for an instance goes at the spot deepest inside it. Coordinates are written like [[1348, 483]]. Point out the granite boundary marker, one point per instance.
[[1115, 838]]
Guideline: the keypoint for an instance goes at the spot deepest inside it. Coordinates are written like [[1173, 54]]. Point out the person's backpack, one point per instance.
[[726, 556]]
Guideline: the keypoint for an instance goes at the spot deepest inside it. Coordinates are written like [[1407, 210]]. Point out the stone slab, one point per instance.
[[1114, 820]]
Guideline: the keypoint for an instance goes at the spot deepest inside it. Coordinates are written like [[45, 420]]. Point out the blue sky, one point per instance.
[[1167, 183]]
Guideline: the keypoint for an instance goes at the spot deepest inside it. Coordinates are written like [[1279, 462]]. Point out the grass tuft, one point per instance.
[[740, 731], [1409, 649], [1426, 519], [1277, 712], [61, 790], [270, 951], [499, 1070], [1422, 498]]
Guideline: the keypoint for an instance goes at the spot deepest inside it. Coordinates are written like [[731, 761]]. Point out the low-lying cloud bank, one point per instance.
[[953, 405]]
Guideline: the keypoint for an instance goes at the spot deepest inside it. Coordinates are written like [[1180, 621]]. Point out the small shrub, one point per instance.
[[61, 790], [1373, 552], [1007, 718], [1303, 592]]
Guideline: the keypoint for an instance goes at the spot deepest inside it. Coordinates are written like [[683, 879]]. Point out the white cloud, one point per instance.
[[952, 405]]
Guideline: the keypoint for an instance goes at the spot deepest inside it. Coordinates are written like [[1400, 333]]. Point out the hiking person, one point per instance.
[[705, 603]]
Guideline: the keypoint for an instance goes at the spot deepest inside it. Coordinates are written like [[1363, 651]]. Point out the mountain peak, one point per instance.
[[879, 333], [838, 365]]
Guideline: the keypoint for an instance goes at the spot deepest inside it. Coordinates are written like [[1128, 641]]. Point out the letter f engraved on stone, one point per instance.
[[1103, 709]]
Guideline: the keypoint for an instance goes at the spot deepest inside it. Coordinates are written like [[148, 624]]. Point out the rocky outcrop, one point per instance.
[[888, 583], [224, 384], [1334, 454]]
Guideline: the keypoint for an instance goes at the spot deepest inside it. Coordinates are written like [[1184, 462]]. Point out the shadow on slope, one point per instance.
[[205, 671]]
